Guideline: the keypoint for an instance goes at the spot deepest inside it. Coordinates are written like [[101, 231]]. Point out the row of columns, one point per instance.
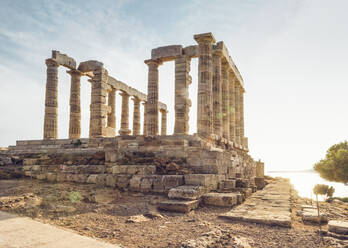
[[220, 102], [102, 115]]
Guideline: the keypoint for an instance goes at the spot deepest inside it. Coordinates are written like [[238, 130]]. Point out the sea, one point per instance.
[[304, 182]]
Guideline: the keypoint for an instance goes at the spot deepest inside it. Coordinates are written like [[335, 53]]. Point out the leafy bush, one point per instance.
[[335, 165], [75, 197]]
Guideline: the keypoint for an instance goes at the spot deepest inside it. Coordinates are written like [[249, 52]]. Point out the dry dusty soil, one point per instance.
[[103, 213]]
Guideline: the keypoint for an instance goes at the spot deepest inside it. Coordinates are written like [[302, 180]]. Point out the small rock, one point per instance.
[[137, 219]]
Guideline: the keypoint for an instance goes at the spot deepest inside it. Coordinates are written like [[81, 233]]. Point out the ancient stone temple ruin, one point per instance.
[[190, 168]]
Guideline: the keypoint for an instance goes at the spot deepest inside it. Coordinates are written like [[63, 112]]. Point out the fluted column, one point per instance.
[[136, 116], [182, 101], [232, 105], [125, 115], [152, 97], [51, 101], [225, 102], [144, 124], [242, 115], [217, 94], [112, 112], [98, 110], [238, 109], [75, 105], [163, 121], [205, 78]]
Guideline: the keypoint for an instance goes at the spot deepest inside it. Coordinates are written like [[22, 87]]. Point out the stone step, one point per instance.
[[220, 199], [339, 227], [178, 205], [242, 183], [134, 169], [228, 184], [187, 192], [208, 180]]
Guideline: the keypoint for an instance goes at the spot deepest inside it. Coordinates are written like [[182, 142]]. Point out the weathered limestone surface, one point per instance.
[[271, 206], [339, 227], [166, 53], [136, 116], [217, 94], [125, 115], [220, 199], [51, 101], [182, 101], [178, 205], [205, 80], [225, 101], [75, 105], [232, 105], [152, 98]]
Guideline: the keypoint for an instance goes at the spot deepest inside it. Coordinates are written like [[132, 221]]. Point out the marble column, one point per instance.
[[51, 101], [136, 116], [205, 78], [225, 101], [98, 109], [75, 105], [111, 123], [232, 104], [217, 94], [125, 115], [182, 101], [238, 109], [241, 104], [163, 121], [152, 97], [144, 124]]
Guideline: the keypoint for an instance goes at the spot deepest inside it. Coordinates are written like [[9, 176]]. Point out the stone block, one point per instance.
[[63, 59], [208, 180], [259, 182], [171, 181], [178, 205], [92, 179], [80, 178], [111, 180], [51, 177], [27, 167], [166, 53], [36, 167], [134, 183], [146, 184], [228, 184], [338, 226], [220, 199], [123, 181], [311, 215], [28, 173], [60, 177], [119, 169], [186, 192], [110, 156], [41, 176], [30, 161]]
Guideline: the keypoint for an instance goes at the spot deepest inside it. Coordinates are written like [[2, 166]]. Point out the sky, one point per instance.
[[292, 55]]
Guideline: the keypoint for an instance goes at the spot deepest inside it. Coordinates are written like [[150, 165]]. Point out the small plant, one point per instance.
[[75, 197]]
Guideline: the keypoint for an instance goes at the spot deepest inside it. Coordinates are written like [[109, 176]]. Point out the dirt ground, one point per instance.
[[103, 213]]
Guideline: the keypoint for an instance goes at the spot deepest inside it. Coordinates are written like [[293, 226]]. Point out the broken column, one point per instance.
[[125, 115], [75, 105], [112, 111], [152, 97], [98, 108], [225, 102], [217, 94], [164, 121], [205, 78], [51, 101], [182, 101], [136, 116]]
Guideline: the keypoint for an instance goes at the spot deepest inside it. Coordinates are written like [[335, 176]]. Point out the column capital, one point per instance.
[[155, 62], [204, 38], [124, 94], [52, 63], [74, 71], [136, 99]]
